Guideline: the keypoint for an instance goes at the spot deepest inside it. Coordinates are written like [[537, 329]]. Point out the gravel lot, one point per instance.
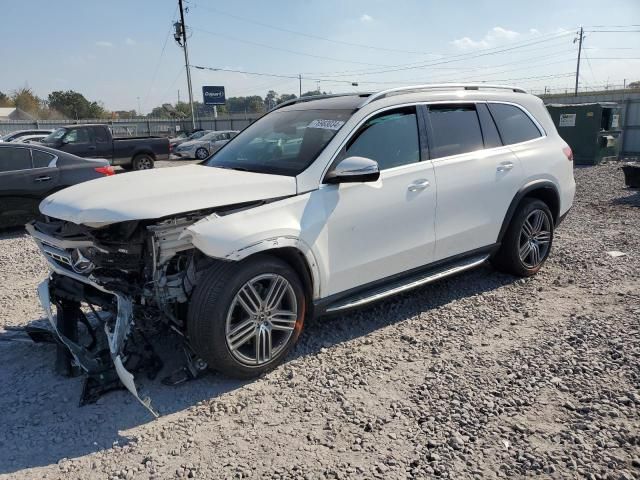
[[483, 375]]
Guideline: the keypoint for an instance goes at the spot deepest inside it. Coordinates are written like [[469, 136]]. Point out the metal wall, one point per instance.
[[140, 126], [630, 124]]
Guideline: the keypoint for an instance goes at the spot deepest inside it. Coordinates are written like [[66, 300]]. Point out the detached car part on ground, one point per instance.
[[323, 205]]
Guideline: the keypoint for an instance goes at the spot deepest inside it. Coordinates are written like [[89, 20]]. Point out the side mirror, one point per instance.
[[354, 170]]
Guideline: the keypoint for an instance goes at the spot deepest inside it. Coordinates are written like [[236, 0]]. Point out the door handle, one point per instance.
[[419, 185], [43, 179], [505, 167]]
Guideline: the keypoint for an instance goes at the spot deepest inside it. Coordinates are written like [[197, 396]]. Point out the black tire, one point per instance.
[[507, 259], [213, 301], [142, 161], [201, 153]]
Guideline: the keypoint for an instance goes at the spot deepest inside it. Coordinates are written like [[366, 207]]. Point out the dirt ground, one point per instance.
[[479, 376]]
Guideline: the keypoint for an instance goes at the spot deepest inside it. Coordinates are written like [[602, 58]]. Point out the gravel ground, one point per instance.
[[483, 375]]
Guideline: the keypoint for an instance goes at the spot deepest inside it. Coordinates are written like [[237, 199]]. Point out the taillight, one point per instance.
[[106, 170], [568, 153]]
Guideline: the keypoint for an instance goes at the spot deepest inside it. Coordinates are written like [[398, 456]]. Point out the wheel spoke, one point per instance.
[[543, 237], [278, 289], [527, 228], [525, 250], [283, 320], [263, 345], [535, 255], [241, 334], [249, 299], [538, 221]]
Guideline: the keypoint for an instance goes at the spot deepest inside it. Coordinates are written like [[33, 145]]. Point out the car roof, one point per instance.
[[35, 146], [349, 101]]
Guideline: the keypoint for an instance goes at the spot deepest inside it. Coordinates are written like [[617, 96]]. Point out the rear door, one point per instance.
[[22, 186], [477, 177]]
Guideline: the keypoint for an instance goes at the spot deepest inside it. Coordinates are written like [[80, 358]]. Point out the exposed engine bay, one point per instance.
[[124, 283]]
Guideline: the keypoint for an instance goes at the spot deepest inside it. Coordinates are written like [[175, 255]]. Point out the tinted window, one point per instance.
[[284, 142], [489, 130], [514, 125], [14, 159], [41, 159], [77, 135], [456, 130], [391, 139], [100, 135]]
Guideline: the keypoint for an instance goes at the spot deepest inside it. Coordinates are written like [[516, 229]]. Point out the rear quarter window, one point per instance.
[[514, 125]]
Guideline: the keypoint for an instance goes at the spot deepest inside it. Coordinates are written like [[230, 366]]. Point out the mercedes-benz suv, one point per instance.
[[322, 205]]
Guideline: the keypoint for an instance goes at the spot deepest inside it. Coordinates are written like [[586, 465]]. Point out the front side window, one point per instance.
[[14, 159], [283, 142], [390, 138], [456, 130], [57, 134], [514, 125], [77, 135], [41, 159]]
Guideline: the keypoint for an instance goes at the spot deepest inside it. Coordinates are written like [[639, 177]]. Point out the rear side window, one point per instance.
[[100, 135], [41, 159], [514, 125], [455, 128], [14, 159], [391, 139]]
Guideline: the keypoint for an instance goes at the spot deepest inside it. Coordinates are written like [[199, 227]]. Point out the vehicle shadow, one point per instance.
[[12, 232], [631, 198], [42, 423]]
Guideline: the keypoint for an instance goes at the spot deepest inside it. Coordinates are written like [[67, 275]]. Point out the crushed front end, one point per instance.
[[114, 287]]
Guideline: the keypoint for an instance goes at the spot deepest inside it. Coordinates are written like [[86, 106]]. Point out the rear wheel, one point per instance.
[[527, 242], [244, 317], [142, 161]]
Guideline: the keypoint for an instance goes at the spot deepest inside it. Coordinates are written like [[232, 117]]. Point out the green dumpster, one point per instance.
[[592, 130]]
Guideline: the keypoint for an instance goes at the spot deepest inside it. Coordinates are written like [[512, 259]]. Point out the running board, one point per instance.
[[405, 284]]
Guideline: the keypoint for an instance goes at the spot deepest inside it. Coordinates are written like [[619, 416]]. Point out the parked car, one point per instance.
[[204, 146], [174, 142], [30, 138], [235, 252], [9, 137], [96, 141], [29, 173]]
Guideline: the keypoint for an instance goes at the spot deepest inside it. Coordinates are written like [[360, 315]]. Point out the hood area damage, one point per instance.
[[115, 287]]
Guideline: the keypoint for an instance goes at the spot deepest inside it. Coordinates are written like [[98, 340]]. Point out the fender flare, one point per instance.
[[546, 185]]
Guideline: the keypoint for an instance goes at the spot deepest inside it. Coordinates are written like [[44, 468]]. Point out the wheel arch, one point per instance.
[[544, 190]]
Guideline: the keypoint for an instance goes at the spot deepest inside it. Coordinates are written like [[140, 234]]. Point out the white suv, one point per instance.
[[324, 204]]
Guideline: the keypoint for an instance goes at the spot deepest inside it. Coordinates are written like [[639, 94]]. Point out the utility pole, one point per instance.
[[575, 93], [300, 83], [180, 36]]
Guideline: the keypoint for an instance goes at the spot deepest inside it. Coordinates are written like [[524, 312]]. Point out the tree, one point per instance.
[[635, 84], [75, 105], [24, 99], [285, 97], [271, 99], [5, 101], [125, 114]]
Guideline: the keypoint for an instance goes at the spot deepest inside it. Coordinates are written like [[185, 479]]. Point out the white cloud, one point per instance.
[[494, 37], [130, 41], [102, 43], [366, 18]]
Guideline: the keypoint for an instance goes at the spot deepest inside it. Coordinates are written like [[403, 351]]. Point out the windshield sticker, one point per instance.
[[326, 124]]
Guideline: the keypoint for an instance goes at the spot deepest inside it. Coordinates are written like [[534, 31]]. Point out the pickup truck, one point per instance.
[[96, 141]]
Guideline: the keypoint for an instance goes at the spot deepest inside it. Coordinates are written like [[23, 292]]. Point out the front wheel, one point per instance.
[[202, 153], [527, 242], [142, 161], [244, 317]]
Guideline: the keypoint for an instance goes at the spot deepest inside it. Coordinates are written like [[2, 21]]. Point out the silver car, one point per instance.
[[204, 146]]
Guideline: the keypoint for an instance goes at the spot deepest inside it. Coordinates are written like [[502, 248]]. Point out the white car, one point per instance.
[[30, 138], [322, 205], [204, 146]]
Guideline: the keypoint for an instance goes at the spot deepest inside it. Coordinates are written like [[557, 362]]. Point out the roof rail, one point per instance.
[[438, 86], [309, 98]]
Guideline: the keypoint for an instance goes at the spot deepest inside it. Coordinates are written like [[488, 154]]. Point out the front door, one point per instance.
[[78, 142], [379, 229]]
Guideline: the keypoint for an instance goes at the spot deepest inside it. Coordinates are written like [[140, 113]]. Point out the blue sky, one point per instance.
[[113, 50]]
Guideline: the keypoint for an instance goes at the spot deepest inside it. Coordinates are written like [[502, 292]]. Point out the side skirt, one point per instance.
[[402, 283]]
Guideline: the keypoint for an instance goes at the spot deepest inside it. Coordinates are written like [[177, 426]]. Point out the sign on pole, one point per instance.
[[213, 95]]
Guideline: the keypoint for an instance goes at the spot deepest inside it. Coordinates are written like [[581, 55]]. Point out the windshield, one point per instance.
[[57, 134], [282, 142], [210, 136]]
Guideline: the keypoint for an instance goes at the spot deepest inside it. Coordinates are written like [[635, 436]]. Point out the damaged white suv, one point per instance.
[[324, 204]]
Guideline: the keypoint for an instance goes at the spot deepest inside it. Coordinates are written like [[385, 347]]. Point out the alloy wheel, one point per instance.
[[261, 319], [535, 239], [144, 163], [201, 154]]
